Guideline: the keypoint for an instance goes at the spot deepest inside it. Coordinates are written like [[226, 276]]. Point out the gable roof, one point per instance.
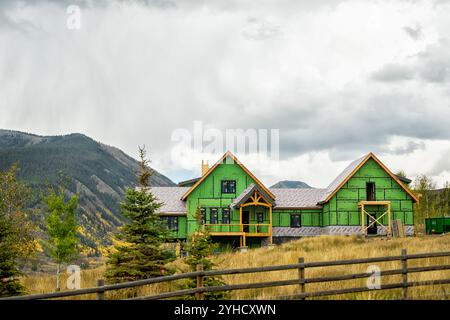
[[187, 182], [296, 198], [170, 197], [247, 193], [351, 169], [232, 156]]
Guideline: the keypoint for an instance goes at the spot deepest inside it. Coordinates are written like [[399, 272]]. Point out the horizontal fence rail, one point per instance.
[[364, 289], [301, 280]]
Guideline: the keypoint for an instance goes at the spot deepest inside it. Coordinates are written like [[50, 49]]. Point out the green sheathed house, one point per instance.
[[239, 210]]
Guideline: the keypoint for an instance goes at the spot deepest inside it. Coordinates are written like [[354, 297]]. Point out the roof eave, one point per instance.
[[298, 208], [183, 183], [172, 213]]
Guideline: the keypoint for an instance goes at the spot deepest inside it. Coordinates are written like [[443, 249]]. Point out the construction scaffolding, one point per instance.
[[375, 221]]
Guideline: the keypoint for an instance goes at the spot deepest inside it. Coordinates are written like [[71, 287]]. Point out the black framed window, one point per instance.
[[225, 215], [172, 223], [228, 186], [259, 217], [213, 216], [203, 211], [370, 191], [296, 221]]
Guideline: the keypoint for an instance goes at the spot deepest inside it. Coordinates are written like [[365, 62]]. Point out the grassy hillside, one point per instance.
[[323, 248], [99, 173]]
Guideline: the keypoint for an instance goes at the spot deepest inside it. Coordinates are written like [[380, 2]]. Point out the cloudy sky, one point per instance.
[[337, 78]]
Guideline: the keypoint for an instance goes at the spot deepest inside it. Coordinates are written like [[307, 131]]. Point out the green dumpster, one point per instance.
[[437, 225]]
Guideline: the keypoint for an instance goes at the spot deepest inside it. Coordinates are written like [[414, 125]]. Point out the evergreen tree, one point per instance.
[[16, 232], [199, 249], [62, 230], [141, 254]]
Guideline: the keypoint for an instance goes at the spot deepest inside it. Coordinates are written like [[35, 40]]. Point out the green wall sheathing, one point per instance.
[[309, 217], [182, 227], [342, 209], [209, 195]]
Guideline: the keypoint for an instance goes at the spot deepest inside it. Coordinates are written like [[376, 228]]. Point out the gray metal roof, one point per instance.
[[185, 182], [297, 197], [171, 199], [341, 177], [284, 198]]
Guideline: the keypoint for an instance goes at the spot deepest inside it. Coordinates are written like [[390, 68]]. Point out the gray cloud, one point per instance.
[[137, 70], [431, 65], [408, 148], [260, 29], [414, 32], [442, 164], [393, 72], [434, 62]]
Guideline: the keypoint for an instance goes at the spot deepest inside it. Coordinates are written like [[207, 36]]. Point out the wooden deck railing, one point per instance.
[[301, 280], [254, 228]]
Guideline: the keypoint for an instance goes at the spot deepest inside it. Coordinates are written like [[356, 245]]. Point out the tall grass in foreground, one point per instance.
[[327, 248], [323, 248]]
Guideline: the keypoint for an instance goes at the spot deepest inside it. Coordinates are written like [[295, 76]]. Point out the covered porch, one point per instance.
[[255, 217]]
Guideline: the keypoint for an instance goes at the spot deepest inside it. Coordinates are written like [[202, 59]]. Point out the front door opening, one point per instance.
[[373, 228], [246, 220]]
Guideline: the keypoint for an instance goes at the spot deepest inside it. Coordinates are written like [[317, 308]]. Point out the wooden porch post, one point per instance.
[[240, 219], [389, 221], [270, 227], [362, 220]]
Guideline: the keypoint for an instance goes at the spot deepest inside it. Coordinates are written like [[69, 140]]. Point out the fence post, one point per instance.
[[100, 294], [301, 277], [199, 295], [404, 274]]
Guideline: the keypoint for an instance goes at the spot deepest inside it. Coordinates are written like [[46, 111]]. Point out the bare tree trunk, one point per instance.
[[58, 269]]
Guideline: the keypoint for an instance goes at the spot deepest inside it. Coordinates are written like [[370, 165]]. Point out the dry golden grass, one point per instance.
[[327, 248], [323, 248], [44, 283]]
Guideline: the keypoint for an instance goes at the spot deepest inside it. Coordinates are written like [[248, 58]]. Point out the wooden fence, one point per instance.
[[301, 280]]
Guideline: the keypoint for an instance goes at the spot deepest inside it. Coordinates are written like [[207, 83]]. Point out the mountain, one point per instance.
[[291, 184], [97, 172]]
